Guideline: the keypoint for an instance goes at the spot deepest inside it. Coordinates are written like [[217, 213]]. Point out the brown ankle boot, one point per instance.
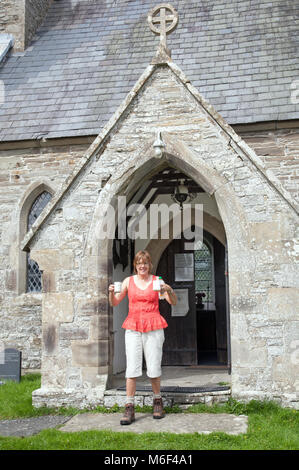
[[129, 414], [158, 408]]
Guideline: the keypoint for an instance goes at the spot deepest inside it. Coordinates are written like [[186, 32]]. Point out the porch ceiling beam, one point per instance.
[[169, 186], [170, 176]]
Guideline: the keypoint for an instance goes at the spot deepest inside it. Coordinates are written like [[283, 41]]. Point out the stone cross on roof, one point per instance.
[[162, 20]]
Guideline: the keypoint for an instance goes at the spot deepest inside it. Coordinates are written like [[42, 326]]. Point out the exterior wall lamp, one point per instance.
[[159, 145]]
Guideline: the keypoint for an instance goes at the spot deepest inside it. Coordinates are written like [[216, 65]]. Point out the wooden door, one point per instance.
[[180, 347]]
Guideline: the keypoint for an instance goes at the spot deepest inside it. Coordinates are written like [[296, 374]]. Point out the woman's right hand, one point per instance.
[[116, 298]]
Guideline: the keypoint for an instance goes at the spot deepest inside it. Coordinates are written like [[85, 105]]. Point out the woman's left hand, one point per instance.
[[169, 294], [166, 288]]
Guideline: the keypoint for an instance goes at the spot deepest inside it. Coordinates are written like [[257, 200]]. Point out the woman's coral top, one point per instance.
[[144, 312]]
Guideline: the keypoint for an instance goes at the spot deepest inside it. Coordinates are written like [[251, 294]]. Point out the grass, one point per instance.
[[271, 427]]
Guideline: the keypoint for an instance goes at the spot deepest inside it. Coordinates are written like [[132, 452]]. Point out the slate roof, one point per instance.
[[242, 55]]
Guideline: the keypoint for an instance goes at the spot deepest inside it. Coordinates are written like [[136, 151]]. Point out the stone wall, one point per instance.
[[35, 13], [22, 171], [12, 19], [279, 151], [21, 18]]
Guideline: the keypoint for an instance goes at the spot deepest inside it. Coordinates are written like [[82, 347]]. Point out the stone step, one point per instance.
[[183, 400]]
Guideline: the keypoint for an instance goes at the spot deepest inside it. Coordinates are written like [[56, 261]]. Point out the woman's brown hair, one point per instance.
[[142, 255]]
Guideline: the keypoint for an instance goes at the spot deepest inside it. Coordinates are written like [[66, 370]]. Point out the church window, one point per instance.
[[34, 278], [204, 275]]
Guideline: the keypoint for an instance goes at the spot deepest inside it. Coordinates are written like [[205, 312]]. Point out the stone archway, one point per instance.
[[232, 215]]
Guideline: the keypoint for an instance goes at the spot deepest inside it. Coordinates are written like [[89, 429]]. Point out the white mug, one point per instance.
[[156, 285], [117, 287]]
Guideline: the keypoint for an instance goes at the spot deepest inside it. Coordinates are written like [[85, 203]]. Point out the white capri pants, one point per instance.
[[151, 343]]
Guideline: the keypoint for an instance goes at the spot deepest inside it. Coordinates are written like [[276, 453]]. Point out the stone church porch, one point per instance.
[[257, 217], [180, 385]]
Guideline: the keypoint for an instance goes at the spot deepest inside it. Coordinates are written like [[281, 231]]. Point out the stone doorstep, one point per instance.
[[183, 400], [178, 423], [54, 398]]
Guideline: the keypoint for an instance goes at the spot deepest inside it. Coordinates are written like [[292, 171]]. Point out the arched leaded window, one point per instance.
[[34, 278], [204, 275]]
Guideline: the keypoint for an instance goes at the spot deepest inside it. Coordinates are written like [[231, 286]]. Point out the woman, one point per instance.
[[144, 331]]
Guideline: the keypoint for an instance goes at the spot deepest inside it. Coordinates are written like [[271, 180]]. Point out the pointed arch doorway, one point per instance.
[[194, 326]]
